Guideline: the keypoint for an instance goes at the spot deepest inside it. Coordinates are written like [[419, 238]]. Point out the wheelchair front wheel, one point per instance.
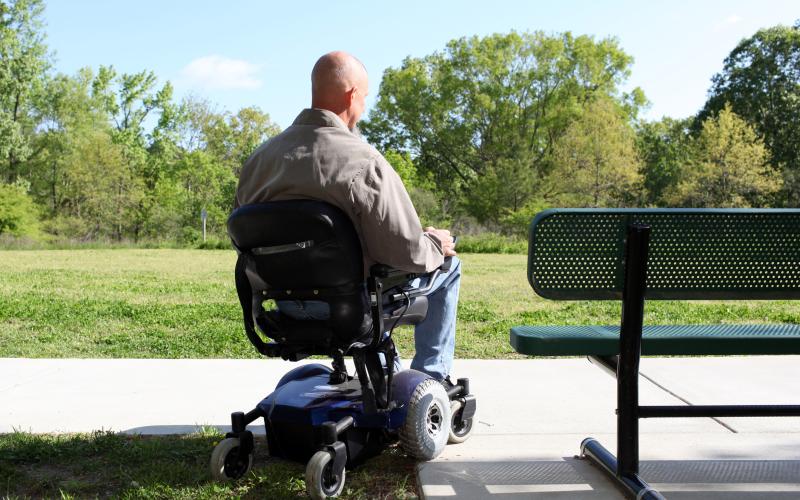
[[321, 482], [227, 463]]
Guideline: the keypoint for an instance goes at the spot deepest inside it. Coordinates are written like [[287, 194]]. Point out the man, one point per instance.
[[320, 157]]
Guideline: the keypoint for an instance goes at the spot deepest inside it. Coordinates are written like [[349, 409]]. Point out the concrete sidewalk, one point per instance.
[[532, 416]]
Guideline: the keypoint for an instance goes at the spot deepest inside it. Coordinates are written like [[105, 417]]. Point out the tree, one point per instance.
[[100, 191], [233, 138], [729, 167], [595, 161], [760, 80], [23, 61], [484, 114], [665, 148], [432, 208], [129, 99], [18, 214], [198, 181], [64, 112]]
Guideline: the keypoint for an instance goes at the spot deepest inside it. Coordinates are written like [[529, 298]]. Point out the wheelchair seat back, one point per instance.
[[300, 250]]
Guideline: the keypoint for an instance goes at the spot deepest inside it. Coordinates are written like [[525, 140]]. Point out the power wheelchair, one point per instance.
[[323, 416]]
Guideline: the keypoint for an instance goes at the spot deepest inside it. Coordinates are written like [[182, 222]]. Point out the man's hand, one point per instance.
[[443, 235]]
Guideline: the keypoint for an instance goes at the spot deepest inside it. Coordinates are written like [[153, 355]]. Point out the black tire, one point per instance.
[[226, 462], [426, 429], [459, 433], [321, 483]]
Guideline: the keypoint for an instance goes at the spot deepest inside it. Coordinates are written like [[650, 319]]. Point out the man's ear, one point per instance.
[[350, 96]]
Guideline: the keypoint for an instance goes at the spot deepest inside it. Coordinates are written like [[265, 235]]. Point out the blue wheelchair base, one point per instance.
[[301, 414]]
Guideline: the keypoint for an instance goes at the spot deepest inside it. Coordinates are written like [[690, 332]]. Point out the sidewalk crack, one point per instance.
[[715, 419]]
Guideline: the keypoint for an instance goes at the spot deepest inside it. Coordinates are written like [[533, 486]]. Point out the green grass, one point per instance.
[[171, 303], [111, 465]]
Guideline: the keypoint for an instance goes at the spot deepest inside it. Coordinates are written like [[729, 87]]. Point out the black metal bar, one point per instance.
[[377, 378], [607, 363], [390, 354], [367, 393], [252, 415], [719, 411], [454, 391], [375, 291], [636, 247], [344, 424], [632, 484], [329, 431]]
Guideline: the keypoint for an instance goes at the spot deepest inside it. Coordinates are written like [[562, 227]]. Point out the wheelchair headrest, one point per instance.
[[299, 244]]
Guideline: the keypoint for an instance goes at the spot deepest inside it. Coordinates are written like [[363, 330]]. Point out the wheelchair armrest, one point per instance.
[[384, 271], [445, 267]]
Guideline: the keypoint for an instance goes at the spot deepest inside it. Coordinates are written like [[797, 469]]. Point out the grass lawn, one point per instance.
[[182, 304], [106, 465]]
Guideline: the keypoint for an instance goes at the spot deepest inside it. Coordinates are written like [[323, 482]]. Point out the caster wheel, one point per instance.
[[459, 432], [226, 462], [425, 431], [321, 482]]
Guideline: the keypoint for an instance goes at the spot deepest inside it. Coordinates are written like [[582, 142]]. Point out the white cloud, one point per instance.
[[732, 19], [726, 23], [220, 73]]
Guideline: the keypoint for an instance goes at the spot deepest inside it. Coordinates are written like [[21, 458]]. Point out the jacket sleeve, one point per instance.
[[390, 226]]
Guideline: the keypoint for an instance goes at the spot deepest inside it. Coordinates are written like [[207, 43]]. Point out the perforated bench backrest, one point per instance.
[[578, 254]]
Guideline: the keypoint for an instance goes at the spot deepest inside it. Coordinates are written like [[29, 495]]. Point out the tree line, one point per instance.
[[484, 133], [506, 125], [106, 156]]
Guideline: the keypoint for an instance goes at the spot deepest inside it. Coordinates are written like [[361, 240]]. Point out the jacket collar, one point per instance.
[[320, 118]]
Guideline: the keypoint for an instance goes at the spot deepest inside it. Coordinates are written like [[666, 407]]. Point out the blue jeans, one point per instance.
[[434, 337]]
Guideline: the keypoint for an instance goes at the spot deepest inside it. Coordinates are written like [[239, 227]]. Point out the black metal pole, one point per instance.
[[375, 291], [633, 485], [636, 247], [719, 411]]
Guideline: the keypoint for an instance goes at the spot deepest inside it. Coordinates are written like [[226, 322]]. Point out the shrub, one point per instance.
[[491, 243], [18, 214]]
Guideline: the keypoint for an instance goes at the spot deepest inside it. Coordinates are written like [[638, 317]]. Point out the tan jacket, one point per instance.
[[318, 158]]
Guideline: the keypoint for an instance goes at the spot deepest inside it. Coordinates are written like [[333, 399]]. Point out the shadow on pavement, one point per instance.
[[163, 430], [578, 479]]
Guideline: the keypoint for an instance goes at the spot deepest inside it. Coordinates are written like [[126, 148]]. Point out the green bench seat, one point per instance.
[[663, 340]]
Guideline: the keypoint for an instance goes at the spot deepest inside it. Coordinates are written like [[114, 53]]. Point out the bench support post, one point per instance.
[[625, 466], [630, 338]]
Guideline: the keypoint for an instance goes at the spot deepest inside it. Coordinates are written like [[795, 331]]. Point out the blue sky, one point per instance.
[[242, 53]]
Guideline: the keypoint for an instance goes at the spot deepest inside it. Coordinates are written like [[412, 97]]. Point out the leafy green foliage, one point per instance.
[[18, 214], [483, 115], [23, 59], [432, 207], [492, 243], [729, 167], [665, 147], [484, 133], [760, 80], [196, 181], [595, 161]]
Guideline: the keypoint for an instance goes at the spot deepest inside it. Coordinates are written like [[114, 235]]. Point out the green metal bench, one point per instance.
[[660, 254]]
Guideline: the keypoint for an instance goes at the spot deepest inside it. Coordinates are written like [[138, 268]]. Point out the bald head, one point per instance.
[[339, 83]]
